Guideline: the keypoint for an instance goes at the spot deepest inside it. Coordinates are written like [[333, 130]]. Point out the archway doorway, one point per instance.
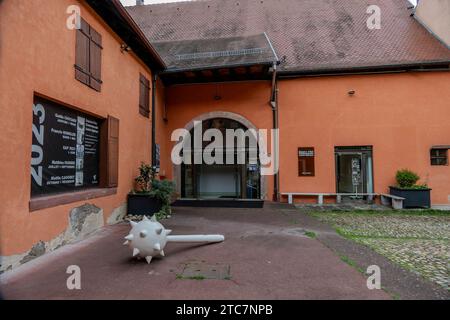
[[223, 180]]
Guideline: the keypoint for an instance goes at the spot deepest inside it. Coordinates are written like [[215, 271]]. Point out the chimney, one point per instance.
[[139, 2]]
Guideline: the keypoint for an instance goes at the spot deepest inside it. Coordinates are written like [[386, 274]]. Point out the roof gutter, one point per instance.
[[443, 65], [124, 13], [216, 67]]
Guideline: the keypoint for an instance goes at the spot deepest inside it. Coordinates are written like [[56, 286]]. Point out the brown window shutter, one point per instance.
[[88, 56], [95, 60], [109, 153], [82, 53], [113, 151], [144, 96], [141, 95], [147, 96]]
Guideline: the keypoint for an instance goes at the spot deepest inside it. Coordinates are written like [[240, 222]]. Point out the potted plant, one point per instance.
[[150, 196], [163, 190], [416, 195]]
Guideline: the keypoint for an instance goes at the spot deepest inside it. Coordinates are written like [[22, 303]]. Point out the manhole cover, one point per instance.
[[202, 271]]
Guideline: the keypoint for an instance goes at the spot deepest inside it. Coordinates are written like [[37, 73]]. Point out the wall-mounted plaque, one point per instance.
[[306, 157]]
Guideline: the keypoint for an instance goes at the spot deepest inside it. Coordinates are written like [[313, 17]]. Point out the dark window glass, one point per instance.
[[71, 150], [65, 149], [439, 157]]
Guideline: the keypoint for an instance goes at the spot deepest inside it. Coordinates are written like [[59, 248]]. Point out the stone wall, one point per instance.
[[83, 221]]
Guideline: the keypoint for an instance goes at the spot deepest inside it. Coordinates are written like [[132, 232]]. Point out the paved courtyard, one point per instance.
[[416, 240], [268, 253]]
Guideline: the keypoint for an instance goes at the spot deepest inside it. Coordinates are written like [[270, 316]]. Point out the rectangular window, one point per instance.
[[144, 96], [88, 56], [439, 157], [306, 162], [71, 150]]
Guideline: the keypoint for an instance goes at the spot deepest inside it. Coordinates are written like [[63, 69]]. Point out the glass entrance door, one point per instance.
[[354, 170], [219, 181], [225, 179]]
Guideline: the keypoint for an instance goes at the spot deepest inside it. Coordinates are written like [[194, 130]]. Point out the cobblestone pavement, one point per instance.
[[420, 243]]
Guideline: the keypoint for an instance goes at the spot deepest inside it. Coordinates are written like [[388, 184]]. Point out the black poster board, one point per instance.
[[65, 149], [306, 167]]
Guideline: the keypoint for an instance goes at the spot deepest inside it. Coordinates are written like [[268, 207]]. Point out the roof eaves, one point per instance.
[[113, 9], [213, 67], [437, 65]]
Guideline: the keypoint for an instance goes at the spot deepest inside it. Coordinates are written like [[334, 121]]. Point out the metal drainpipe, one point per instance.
[[155, 76], [274, 105]]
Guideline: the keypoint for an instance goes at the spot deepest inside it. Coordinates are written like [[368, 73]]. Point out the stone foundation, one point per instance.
[[83, 221]]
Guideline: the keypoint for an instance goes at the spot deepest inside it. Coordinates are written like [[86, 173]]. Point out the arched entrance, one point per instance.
[[223, 180]]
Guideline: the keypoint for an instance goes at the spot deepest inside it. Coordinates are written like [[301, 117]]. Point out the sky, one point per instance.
[[133, 2]]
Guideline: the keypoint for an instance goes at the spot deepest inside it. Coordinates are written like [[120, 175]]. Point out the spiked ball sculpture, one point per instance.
[[148, 238]]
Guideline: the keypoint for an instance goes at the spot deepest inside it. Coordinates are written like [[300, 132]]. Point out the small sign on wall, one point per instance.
[[306, 157], [356, 171], [157, 158]]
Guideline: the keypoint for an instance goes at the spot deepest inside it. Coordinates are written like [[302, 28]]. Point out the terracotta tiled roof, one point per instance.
[[114, 14], [306, 34]]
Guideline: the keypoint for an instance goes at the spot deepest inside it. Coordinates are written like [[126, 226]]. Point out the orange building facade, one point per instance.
[[353, 103], [329, 125], [398, 116], [37, 59]]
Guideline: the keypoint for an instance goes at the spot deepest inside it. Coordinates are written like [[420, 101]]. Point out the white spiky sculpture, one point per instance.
[[148, 238]]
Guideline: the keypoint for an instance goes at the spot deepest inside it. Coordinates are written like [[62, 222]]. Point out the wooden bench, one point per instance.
[[394, 201], [320, 196]]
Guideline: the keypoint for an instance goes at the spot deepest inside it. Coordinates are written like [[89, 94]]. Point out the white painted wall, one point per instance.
[[435, 15]]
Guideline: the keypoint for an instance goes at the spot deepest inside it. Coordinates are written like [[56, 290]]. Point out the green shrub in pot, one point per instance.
[[407, 179], [145, 178], [149, 187], [163, 190], [415, 195]]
